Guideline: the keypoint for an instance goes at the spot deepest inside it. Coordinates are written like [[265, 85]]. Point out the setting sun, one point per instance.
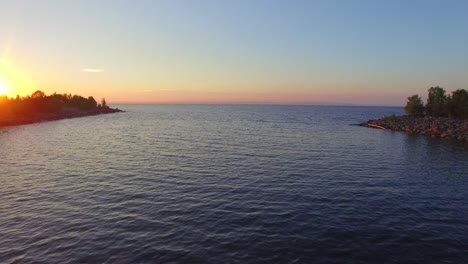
[[13, 80], [3, 88]]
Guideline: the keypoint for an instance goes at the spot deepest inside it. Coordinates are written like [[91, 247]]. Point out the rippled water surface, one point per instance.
[[230, 184]]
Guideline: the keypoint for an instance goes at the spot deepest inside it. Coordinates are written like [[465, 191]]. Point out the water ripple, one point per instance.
[[230, 184]]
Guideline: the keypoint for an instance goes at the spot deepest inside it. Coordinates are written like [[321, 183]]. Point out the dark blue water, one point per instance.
[[230, 184]]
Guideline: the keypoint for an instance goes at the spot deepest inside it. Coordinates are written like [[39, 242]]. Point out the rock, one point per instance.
[[447, 128]]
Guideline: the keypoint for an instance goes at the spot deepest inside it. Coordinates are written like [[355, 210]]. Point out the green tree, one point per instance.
[[457, 104], [436, 101], [414, 106]]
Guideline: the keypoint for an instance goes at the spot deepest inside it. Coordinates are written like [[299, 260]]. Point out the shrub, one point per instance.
[[414, 106], [391, 118]]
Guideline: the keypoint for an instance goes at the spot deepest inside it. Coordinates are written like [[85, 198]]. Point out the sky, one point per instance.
[[364, 52]]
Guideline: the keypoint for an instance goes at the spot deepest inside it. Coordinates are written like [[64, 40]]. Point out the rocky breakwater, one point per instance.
[[441, 127], [15, 120]]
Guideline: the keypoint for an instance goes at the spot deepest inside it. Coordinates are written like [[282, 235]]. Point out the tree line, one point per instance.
[[439, 104], [39, 102]]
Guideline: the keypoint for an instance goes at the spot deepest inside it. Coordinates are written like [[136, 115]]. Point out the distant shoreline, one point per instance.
[[440, 127], [39, 107], [259, 104], [18, 120]]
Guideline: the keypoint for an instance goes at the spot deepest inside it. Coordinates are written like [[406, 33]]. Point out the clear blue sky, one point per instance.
[[363, 52]]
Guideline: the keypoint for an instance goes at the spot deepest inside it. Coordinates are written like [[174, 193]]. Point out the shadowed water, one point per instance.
[[230, 184]]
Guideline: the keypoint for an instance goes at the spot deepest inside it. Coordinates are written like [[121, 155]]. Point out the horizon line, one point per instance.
[[249, 103]]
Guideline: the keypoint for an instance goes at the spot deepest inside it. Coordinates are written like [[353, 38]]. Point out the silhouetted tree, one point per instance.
[[38, 94], [92, 102], [54, 104], [414, 106], [39, 102], [436, 101], [103, 103]]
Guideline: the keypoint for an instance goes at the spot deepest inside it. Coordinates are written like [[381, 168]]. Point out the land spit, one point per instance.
[[440, 127], [16, 120]]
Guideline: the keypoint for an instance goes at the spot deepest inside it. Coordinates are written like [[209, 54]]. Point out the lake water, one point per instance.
[[230, 184]]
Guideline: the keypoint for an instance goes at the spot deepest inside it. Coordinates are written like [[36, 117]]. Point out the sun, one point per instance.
[[3, 88]]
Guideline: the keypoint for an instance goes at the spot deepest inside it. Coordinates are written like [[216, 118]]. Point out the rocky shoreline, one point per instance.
[[42, 117], [441, 127]]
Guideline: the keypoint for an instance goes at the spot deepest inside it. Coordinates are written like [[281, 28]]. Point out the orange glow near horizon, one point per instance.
[[17, 75], [3, 88], [13, 81], [245, 97]]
